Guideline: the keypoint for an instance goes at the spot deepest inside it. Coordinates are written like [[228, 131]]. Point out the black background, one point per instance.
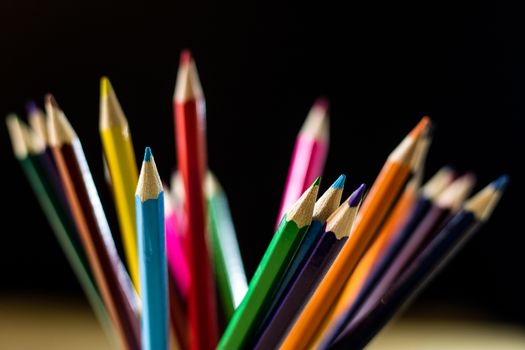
[[261, 66]]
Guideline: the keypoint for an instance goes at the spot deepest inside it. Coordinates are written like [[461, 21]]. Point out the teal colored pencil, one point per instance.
[[324, 207], [248, 316], [149, 203]]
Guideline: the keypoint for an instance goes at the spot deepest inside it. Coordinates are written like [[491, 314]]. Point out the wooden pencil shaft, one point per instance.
[[153, 272], [98, 243], [311, 239], [177, 259], [266, 278], [313, 271], [410, 283], [385, 190], [178, 320], [371, 290], [240, 331], [191, 153], [390, 181], [120, 160], [63, 227], [429, 261], [229, 268]]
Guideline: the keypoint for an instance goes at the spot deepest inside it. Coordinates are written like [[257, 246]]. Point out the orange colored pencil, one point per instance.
[[400, 214], [391, 180], [189, 107]]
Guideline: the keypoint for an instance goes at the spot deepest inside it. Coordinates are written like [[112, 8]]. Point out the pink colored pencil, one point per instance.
[[309, 155], [177, 261]]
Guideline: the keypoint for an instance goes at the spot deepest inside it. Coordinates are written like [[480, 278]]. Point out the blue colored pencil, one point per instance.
[[428, 263], [149, 203], [324, 207], [336, 233]]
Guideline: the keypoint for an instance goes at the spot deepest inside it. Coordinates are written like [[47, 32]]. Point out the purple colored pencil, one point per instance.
[[338, 228], [443, 207]]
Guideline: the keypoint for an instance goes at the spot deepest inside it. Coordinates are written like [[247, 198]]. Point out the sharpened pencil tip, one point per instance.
[[147, 154], [357, 196], [340, 182], [50, 99], [31, 108], [104, 87], [317, 181], [322, 102], [185, 57], [501, 182], [420, 127]]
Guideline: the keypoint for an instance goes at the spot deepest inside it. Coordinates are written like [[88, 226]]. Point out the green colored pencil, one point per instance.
[[270, 271], [226, 256], [31, 153]]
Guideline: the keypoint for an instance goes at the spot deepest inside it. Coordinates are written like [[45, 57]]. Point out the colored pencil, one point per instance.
[[271, 269], [476, 211], [396, 256], [178, 263], [309, 155], [383, 193], [190, 127], [29, 149], [328, 246], [112, 281], [226, 256], [177, 246], [382, 259], [149, 199], [177, 304], [37, 120], [324, 207], [178, 320], [394, 221], [122, 166]]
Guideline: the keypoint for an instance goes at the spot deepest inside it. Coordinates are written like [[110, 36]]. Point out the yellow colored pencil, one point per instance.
[[120, 157]]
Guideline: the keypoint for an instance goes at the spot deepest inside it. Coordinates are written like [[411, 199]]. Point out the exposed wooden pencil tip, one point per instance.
[[483, 203], [185, 57], [212, 184], [316, 124], [17, 139], [59, 129], [420, 128], [188, 86], [341, 220], [50, 100], [302, 210], [453, 196], [437, 183], [149, 185], [111, 113], [104, 87]]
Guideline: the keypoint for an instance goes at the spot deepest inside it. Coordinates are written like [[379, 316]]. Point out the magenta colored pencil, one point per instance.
[[309, 155], [177, 261]]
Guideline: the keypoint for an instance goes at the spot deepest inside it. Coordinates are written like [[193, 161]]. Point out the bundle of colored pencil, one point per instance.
[[332, 276]]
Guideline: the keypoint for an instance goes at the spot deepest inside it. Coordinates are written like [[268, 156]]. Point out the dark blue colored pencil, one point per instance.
[[428, 263]]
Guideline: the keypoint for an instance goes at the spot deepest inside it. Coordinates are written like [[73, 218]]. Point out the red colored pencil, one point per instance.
[[189, 107]]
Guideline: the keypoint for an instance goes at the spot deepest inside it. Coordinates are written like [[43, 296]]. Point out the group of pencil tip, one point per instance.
[[334, 273]]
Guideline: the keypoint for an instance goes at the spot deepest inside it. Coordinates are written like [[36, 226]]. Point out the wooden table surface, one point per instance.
[[42, 323]]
